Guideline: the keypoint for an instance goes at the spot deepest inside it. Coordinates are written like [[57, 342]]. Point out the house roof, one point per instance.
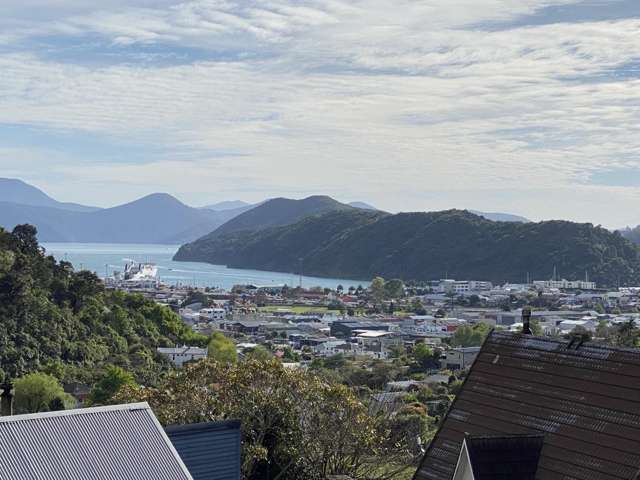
[[512, 457], [185, 350], [211, 451], [107, 443], [584, 398]]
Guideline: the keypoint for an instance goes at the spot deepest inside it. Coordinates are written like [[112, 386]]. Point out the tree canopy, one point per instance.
[[39, 392], [294, 424], [57, 320], [222, 348]]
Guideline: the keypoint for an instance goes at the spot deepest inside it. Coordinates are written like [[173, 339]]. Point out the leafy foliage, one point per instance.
[[61, 321], [470, 336], [222, 349], [111, 382], [39, 392], [294, 424]]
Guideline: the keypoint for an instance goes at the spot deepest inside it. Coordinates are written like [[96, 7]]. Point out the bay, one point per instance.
[[105, 258]]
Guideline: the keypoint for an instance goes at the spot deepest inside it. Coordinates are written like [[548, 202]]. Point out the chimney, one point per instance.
[[6, 400], [526, 321]]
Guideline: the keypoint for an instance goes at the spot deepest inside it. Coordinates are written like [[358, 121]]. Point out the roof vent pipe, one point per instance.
[[526, 321]]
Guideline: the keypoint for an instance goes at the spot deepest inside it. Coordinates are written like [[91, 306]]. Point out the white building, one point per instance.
[[565, 284], [567, 326], [180, 355], [462, 287], [213, 314], [329, 348]]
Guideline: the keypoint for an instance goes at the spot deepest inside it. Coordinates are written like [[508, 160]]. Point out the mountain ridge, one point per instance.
[[13, 190], [422, 246], [156, 218]]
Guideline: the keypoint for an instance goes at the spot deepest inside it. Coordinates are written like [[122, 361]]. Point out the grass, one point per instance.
[[297, 309]]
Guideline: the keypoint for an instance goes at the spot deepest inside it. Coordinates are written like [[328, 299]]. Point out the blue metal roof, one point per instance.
[[105, 443], [211, 451]]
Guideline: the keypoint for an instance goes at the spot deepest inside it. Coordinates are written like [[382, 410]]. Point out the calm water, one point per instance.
[[104, 258]]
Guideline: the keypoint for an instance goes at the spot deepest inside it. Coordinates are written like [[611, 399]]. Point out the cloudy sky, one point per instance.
[[524, 106]]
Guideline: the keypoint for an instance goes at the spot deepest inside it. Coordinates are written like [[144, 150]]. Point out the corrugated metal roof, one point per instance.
[[584, 400], [211, 451], [102, 443]]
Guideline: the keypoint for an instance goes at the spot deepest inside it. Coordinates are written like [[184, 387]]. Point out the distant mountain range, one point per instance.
[[631, 234], [16, 191], [229, 205], [156, 218], [501, 217], [360, 244]]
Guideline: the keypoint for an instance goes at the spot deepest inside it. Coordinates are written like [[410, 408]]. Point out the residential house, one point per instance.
[[347, 328], [210, 451], [181, 355], [460, 358], [511, 457], [108, 443], [213, 314], [582, 398]]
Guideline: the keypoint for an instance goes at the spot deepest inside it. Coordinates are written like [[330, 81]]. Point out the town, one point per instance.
[[367, 324]]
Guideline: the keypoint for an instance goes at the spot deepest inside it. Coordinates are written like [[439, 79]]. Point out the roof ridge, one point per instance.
[[564, 342], [77, 411]]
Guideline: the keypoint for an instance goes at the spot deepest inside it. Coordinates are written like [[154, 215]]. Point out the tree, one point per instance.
[[111, 382], [394, 288], [376, 289], [39, 392], [417, 307], [222, 349], [536, 328], [62, 322], [425, 356], [294, 424], [580, 334], [627, 335], [474, 300], [411, 428], [470, 336], [259, 353]]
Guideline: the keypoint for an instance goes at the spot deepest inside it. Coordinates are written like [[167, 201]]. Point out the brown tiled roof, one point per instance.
[[584, 399]]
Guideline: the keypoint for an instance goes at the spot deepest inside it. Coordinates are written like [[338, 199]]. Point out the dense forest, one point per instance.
[[423, 246], [56, 320]]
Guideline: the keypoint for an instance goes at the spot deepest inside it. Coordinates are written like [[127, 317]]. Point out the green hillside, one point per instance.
[[423, 246], [56, 320]]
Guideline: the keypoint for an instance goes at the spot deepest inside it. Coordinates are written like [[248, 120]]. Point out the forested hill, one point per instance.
[[59, 321], [278, 212], [423, 246]]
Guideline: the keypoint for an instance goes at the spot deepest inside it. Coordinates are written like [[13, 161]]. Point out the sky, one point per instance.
[[529, 107]]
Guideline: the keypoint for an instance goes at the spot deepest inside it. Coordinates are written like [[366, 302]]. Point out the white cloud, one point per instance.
[[380, 100]]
